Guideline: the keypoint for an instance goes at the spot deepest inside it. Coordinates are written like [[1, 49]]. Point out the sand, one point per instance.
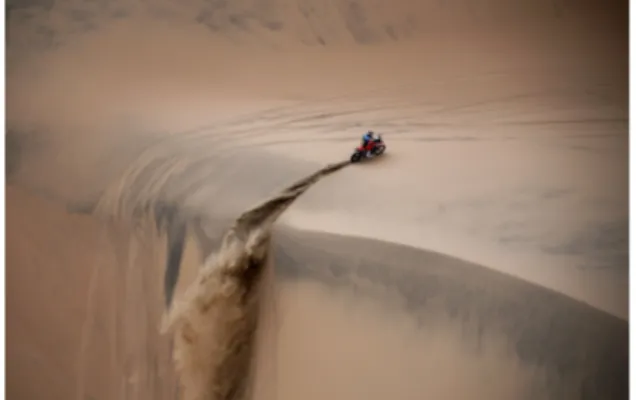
[[138, 131]]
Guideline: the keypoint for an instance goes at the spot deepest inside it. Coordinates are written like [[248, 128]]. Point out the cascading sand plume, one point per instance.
[[215, 321]]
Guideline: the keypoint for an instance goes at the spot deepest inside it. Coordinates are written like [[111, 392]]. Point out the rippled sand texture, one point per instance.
[[483, 257]]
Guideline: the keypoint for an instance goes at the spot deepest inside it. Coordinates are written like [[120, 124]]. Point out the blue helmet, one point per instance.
[[368, 135]]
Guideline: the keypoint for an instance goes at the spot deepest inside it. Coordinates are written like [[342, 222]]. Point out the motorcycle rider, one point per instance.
[[368, 138]]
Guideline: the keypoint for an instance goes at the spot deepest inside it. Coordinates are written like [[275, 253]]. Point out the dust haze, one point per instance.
[[483, 256]]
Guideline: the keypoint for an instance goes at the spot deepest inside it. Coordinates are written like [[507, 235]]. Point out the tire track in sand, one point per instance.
[[215, 322]]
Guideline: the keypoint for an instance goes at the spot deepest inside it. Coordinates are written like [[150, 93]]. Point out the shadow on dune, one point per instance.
[[564, 349]]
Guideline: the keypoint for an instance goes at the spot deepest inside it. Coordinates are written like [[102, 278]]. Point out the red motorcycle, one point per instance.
[[374, 148]]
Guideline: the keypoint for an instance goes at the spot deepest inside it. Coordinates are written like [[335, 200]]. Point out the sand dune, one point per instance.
[[484, 256]]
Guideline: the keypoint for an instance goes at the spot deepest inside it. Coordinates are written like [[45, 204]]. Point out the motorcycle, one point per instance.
[[377, 149]]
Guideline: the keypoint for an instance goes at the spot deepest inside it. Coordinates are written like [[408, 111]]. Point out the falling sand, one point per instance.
[[216, 321]]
